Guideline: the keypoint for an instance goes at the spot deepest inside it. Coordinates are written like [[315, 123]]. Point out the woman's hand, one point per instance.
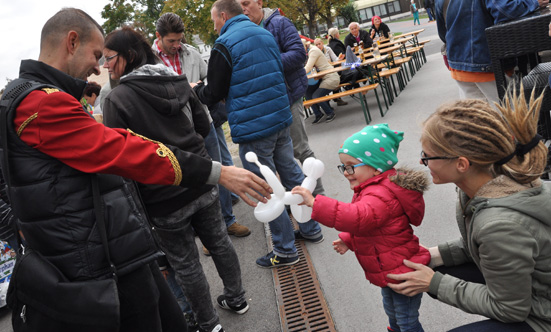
[[414, 282], [340, 246], [372, 33], [306, 195]]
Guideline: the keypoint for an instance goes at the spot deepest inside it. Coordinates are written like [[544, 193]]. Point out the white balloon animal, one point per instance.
[[266, 212]]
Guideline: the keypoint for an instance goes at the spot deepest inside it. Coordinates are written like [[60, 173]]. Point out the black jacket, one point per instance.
[[383, 29], [165, 109], [364, 36], [337, 46], [54, 202]]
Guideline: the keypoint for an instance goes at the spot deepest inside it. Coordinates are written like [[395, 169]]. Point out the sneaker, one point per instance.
[[240, 309], [330, 118], [217, 328], [341, 102], [238, 230], [234, 200], [206, 251], [271, 260], [300, 237], [317, 119]]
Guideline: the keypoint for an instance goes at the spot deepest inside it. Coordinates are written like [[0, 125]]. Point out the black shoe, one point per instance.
[[191, 322], [330, 118], [272, 260], [318, 239], [240, 309], [318, 119], [234, 200], [217, 328]]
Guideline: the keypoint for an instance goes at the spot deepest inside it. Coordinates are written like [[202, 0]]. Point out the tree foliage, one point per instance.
[[141, 14], [196, 17], [349, 13], [330, 10]]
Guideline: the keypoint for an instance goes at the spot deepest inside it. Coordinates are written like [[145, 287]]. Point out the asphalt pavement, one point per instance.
[[355, 305]]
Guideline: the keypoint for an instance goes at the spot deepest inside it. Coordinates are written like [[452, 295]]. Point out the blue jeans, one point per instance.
[[276, 152], [175, 237], [225, 154], [402, 311], [429, 13], [177, 291], [214, 151], [313, 92]]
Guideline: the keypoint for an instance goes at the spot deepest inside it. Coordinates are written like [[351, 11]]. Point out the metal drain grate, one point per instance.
[[301, 303]]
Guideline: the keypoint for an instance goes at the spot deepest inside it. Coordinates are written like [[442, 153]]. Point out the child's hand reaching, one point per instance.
[[340, 246], [306, 195]]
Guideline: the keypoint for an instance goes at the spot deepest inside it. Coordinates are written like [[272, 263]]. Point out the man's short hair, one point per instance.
[[353, 23], [230, 7], [66, 20], [92, 88], [169, 23]]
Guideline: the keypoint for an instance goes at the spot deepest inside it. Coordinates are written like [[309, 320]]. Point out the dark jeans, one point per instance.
[[176, 239], [402, 311], [313, 92], [470, 273]]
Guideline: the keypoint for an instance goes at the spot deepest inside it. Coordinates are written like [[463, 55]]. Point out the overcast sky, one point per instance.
[[21, 22]]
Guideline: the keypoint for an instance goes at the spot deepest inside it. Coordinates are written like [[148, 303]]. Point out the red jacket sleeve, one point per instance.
[[358, 218], [54, 123]]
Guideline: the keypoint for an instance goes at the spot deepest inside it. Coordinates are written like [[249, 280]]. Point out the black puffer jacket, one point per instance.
[[54, 202], [152, 102]]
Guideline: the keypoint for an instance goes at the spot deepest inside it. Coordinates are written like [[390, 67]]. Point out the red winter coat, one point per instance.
[[376, 225]]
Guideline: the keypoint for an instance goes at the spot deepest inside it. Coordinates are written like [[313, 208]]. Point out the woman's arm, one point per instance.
[[506, 254]]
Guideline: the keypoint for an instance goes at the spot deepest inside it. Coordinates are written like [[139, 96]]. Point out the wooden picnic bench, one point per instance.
[[360, 92]]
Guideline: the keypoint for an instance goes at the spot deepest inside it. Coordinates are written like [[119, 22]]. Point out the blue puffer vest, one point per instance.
[[257, 102], [54, 204]]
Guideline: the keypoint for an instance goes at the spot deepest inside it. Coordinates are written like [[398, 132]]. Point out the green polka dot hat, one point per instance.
[[376, 146]]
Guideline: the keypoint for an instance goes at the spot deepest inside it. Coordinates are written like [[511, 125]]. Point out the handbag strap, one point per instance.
[[12, 97]]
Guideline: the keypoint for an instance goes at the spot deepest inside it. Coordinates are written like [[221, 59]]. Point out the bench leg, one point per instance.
[[388, 89], [383, 91], [365, 109], [379, 103], [393, 85]]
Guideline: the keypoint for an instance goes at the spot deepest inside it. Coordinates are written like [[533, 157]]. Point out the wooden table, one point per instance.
[[370, 61]]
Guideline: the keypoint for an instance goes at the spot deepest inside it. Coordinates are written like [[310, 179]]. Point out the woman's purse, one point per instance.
[[40, 296]]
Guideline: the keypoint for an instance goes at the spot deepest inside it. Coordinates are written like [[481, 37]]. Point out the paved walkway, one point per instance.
[[354, 303]]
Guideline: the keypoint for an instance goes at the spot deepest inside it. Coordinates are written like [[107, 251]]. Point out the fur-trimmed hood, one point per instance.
[[411, 179]]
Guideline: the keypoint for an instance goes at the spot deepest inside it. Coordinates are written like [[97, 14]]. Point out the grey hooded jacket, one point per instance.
[[506, 232]]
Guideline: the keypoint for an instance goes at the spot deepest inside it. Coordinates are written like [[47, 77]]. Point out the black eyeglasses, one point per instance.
[[348, 168], [426, 159], [109, 58]]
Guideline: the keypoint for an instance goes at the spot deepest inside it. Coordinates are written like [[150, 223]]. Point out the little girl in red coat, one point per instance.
[[376, 225]]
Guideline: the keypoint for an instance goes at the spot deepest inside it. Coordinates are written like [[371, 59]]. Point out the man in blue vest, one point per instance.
[[245, 69]]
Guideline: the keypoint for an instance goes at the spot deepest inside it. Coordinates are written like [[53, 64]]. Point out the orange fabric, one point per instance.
[[467, 76]]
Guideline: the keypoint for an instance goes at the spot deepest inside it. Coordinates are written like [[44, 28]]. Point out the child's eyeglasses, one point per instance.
[[425, 159], [348, 168]]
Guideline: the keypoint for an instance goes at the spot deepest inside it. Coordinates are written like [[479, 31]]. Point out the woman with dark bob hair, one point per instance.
[[155, 102]]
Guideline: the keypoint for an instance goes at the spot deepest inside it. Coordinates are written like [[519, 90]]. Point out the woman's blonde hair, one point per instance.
[[474, 130], [333, 32]]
